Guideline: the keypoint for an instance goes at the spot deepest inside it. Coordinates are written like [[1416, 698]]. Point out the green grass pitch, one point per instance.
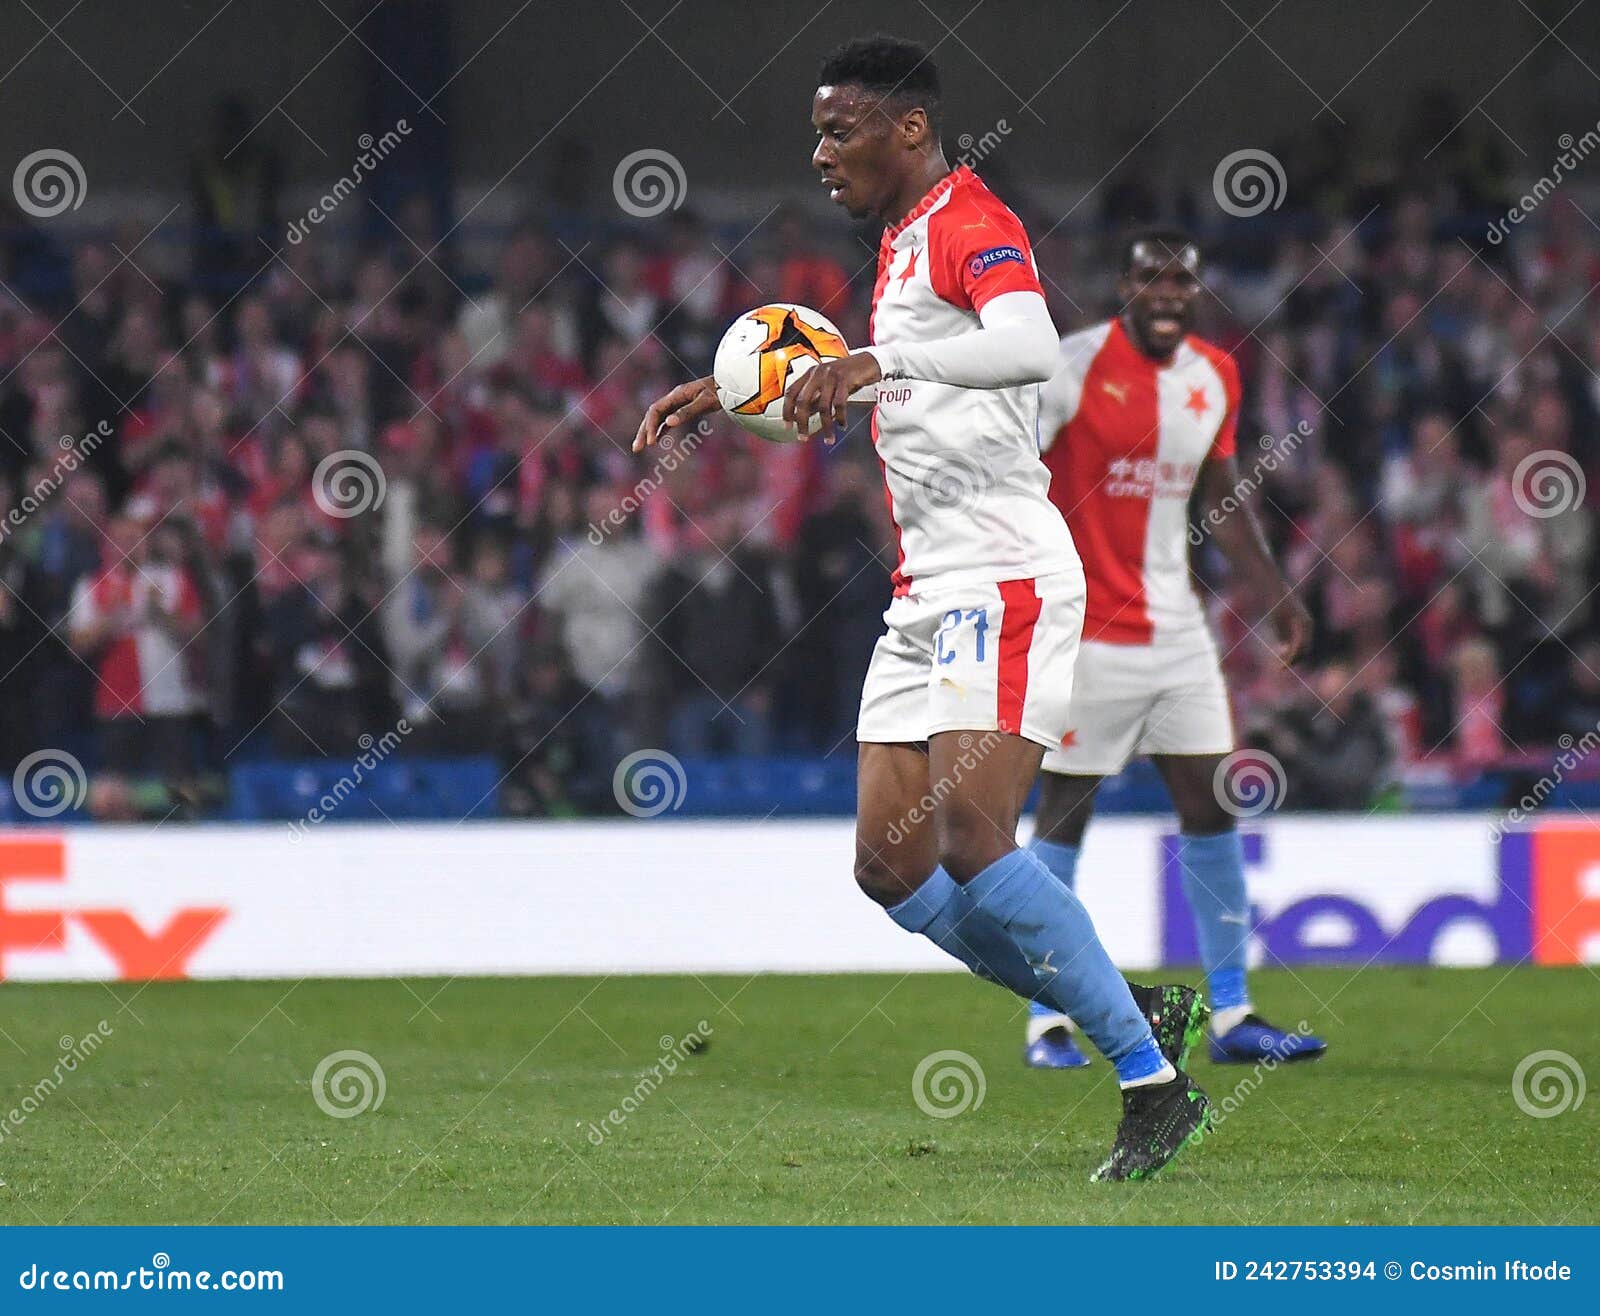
[[199, 1106]]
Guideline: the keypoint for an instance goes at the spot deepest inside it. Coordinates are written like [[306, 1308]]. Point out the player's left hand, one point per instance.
[[1292, 624], [825, 391]]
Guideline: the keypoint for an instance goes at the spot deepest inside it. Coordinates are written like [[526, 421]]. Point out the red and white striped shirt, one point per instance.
[[142, 669], [966, 490], [1124, 438]]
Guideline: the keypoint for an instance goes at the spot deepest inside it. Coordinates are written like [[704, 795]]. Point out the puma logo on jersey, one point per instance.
[[1117, 391]]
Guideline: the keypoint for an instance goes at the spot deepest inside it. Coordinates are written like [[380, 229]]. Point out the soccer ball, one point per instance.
[[763, 352]]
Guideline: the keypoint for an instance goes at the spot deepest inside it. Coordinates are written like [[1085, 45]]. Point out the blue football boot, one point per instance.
[[1055, 1049], [1253, 1040]]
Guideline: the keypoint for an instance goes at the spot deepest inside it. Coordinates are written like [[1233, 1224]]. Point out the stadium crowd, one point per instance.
[[182, 586]]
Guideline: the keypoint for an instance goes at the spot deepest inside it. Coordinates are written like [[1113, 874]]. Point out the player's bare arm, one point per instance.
[[825, 390], [1238, 533], [682, 406]]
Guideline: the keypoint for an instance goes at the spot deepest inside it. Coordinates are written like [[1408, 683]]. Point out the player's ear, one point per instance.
[[915, 130]]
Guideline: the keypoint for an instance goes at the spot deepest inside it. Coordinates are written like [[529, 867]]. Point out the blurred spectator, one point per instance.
[[135, 620], [330, 677], [842, 587], [557, 742], [593, 590], [1479, 704], [714, 627], [1332, 743], [446, 680], [234, 181]]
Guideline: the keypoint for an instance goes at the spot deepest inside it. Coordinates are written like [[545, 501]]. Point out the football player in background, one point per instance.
[[972, 679], [1138, 416]]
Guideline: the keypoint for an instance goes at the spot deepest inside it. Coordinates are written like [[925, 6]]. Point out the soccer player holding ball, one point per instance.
[[972, 680], [1140, 414]]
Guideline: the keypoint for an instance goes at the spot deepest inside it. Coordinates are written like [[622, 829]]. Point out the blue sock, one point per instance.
[[1062, 861], [1213, 881], [1074, 974], [936, 910]]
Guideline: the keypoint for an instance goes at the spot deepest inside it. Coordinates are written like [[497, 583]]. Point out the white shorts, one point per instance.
[[1166, 697], [976, 658]]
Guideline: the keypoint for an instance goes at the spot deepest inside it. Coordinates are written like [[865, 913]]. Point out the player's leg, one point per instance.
[[989, 903], [1211, 859], [1065, 805], [980, 780], [897, 862], [897, 865], [1107, 712], [1000, 689], [1189, 734]]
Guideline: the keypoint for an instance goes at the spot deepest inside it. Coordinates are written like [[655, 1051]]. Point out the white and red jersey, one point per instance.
[[967, 493], [142, 669], [1124, 438]]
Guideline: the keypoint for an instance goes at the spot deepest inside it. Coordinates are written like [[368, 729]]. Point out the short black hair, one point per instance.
[[1173, 239], [890, 67]]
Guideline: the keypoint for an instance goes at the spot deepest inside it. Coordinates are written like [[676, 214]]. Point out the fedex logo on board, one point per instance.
[[1543, 905], [137, 951]]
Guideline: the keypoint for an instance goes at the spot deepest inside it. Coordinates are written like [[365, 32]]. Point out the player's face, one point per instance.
[[855, 149], [1160, 290]]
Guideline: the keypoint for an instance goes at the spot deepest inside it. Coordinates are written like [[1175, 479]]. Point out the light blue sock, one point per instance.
[[1213, 881], [936, 910], [1075, 975], [1062, 861]]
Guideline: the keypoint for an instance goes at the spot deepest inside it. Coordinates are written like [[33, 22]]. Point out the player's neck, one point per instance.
[[916, 186], [1143, 348]]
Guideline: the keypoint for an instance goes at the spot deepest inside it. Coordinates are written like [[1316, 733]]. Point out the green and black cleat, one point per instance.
[[1158, 1121], [1177, 1017]]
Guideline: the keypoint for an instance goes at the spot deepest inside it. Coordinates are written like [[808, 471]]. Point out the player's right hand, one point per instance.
[[686, 403]]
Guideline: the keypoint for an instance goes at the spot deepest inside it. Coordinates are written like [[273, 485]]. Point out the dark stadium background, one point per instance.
[[445, 635]]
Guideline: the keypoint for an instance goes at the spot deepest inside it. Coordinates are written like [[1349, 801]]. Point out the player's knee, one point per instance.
[[969, 840], [1063, 827], [881, 879], [1203, 815], [1064, 810]]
